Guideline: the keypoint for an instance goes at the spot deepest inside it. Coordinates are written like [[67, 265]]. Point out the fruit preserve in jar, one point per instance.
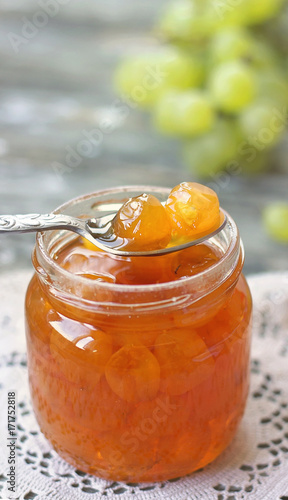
[[138, 366]]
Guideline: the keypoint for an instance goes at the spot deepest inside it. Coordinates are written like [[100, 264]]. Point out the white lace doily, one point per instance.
[[254, 467]]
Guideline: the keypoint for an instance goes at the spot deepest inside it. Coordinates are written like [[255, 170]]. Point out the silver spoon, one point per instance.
[[98, 231]]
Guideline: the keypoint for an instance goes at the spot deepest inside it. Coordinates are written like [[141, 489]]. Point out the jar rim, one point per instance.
[[49, 267]]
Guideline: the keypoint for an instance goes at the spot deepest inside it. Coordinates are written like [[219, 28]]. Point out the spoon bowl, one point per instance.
[[98, 231]]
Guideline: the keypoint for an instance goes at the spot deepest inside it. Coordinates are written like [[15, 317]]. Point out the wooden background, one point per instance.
[[56, 81]]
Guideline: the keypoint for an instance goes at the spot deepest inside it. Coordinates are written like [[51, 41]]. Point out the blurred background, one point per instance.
[[71, 121]]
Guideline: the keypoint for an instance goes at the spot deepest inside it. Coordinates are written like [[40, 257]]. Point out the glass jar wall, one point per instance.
[[138, 368]]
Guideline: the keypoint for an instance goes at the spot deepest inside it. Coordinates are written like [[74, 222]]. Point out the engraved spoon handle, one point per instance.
[[27, 223]]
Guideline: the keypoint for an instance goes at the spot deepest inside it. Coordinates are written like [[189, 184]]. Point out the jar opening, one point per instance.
[[103, 202]]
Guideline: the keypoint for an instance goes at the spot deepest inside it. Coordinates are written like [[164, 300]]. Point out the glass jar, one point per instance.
[[137, 382]]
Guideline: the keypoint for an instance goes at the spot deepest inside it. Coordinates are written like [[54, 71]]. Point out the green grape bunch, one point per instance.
[[275, 219], [216, 81]]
